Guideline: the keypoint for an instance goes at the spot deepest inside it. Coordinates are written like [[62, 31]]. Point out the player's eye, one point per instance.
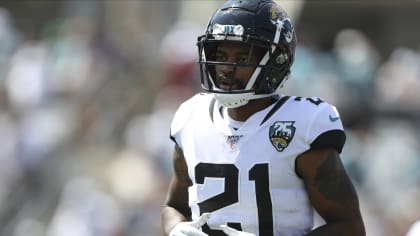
[[220, 57], [242, 60]]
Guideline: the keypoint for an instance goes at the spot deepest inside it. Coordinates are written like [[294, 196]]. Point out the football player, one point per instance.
[[249, 160]]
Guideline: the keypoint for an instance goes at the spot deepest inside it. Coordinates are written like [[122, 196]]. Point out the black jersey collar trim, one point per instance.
[[276, 107]]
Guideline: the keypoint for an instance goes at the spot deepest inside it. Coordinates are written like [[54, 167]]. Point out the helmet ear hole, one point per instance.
[[282, 58]]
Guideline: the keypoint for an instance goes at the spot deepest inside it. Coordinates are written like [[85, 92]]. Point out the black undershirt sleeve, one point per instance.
[[330, 139]]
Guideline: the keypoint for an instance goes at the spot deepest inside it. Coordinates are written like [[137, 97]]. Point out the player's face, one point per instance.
[[231, 77]]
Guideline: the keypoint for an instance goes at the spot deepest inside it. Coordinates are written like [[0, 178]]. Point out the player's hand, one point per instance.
[[190, 228], [233, 232]]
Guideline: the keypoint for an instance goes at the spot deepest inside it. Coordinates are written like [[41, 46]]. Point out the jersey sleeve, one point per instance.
[[180, 118], [326, 129]]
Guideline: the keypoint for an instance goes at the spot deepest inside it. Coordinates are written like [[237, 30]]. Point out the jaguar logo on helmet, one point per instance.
[[276, 13], [281, 134], [288, 30]]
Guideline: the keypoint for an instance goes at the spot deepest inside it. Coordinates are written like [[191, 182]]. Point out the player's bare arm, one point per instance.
[[176, 207], [331, 192]]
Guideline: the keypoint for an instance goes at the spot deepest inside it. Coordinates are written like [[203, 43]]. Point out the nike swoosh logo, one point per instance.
[[334, 119]]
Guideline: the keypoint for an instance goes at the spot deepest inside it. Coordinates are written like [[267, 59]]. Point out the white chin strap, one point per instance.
[[238, 100]]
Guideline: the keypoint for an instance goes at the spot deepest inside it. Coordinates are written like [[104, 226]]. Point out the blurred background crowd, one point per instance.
[[88, 90]]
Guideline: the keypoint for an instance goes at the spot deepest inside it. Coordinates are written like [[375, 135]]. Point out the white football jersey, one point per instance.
[[246, 177]]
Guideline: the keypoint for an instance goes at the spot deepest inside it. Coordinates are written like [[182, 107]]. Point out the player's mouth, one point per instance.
[[230, 84]]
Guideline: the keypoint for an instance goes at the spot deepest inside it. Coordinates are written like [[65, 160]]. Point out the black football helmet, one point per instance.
[[258, 24]]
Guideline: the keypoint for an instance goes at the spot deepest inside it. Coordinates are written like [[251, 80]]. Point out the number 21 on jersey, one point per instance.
[[259, 174]]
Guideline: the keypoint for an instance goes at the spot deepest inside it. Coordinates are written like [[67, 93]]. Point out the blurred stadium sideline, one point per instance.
[[88, 89]]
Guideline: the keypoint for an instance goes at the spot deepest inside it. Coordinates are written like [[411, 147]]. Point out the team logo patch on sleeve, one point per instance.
[[281, 134]]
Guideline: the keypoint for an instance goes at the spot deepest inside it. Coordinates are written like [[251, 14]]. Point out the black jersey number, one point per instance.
[[230, 173], [315, 101]]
